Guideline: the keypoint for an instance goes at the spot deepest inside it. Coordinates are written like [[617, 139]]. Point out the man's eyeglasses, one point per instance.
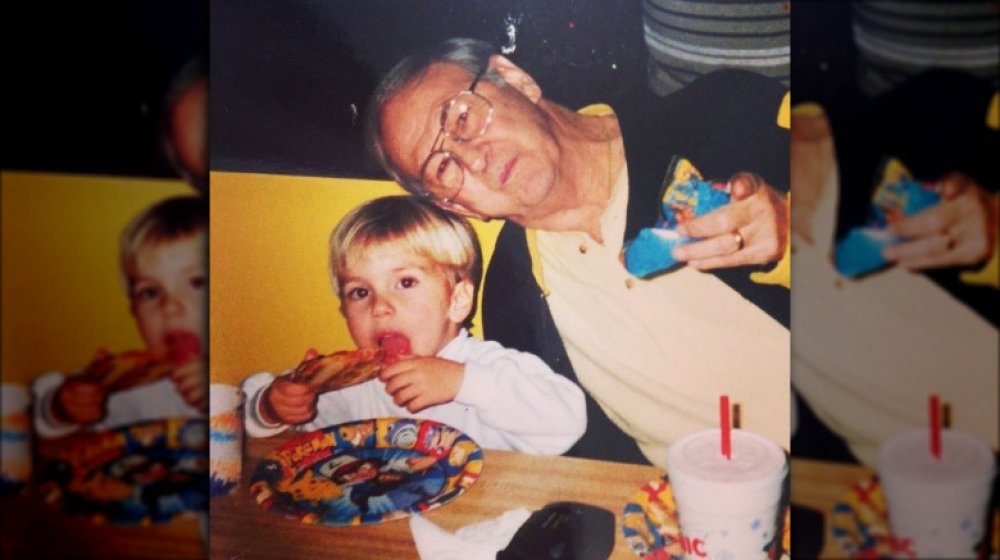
[[464, 117]]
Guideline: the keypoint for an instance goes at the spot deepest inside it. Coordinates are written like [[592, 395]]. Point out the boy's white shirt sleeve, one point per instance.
[[517, 395], [153, 401], [359, 402], [254, 387], [44, 390]]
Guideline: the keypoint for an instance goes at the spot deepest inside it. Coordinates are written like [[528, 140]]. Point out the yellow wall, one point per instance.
[[270, 294], [62, 296]]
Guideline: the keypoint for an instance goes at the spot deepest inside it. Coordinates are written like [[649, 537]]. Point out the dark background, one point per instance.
[[84, 82], [286, 74]]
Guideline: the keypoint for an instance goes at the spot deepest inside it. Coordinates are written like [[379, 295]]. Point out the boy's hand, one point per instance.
[[190, 379], [80, 401], [288, 401], [419, 382]]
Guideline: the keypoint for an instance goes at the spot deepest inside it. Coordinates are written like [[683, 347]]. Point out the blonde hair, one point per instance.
[[168, 220], [445, 238]]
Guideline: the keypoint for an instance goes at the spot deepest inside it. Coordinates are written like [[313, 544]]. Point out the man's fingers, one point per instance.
[[714, 223], [718, 246], [744, 185], [932, 220], [737, 259], [933, 261], [952, 185], [932, 247]]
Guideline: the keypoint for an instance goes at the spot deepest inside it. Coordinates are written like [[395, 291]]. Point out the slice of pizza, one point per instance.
[[126, 370], [340, 369]]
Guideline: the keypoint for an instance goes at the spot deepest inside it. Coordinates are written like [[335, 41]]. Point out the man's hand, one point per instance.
[[751, 229], [419, 382], [288, 401], [191, 380], [80, 401], [960, 230]]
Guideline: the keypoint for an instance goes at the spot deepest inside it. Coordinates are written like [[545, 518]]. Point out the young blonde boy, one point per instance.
[[403, 267], [163, 263]]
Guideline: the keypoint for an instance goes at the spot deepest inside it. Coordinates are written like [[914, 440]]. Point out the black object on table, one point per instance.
[[563, 531], [807, 532]]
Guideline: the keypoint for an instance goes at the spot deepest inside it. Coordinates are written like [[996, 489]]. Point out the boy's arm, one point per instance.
[[47, 424], [254, 387], [517, 394]]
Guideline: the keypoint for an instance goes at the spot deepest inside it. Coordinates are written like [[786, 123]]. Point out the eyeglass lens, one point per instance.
[[464, 118]]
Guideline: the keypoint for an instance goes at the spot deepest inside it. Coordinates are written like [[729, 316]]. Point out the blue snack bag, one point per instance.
[[898, 195], [685, 195]]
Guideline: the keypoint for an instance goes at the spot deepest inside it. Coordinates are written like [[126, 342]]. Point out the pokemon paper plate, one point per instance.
[[651, 528], [859, 524], [367, 472], [134, 475]]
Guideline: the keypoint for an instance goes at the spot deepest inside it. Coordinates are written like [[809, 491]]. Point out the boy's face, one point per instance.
[[389, 289], [169, 289]]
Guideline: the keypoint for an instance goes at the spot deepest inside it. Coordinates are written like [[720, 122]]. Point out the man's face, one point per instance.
[[169, 289], [189, 127], [508, 169], [390, 290]]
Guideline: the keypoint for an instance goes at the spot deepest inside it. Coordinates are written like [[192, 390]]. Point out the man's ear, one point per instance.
[[461, 301], [514, 76]]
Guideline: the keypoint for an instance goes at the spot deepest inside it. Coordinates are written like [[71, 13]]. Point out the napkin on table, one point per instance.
[[479, 541]]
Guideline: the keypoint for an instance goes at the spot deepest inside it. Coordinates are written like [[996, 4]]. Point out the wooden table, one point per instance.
[[242, 529], [820, 485], [33, 529]]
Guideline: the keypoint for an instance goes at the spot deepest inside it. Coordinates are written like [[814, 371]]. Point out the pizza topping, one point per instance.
[[340, 369], [129, 369]]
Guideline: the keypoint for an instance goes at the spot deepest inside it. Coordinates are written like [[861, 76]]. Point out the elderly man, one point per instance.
[[471, 130]]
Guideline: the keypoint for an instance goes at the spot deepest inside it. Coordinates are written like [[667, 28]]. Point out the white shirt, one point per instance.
[[154, 401], [867, 353], [508, 400], [656, 354]]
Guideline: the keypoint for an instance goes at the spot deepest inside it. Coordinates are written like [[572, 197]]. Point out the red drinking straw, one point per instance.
[[725, 426], [935, 416]]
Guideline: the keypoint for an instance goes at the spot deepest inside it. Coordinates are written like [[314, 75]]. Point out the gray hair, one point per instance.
[[469, 54]]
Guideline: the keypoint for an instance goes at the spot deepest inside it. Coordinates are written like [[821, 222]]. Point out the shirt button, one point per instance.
[[629, 282], [583, 248]]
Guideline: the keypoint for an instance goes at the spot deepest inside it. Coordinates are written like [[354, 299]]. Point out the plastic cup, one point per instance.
[[225, 438], [728, 508], [15, 439], [937, 505]]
